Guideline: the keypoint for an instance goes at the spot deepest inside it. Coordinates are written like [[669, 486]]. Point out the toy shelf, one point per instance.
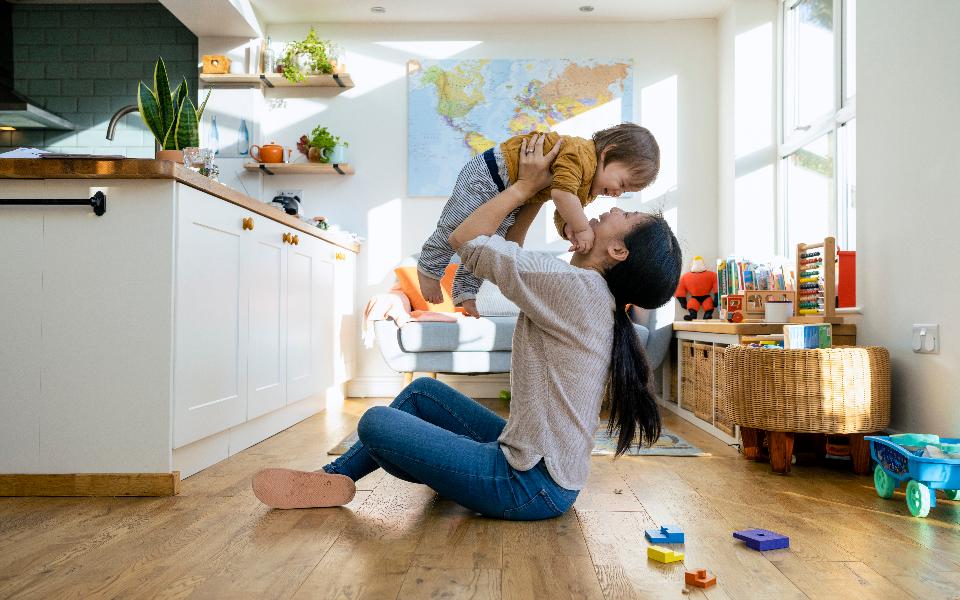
[[274, 80], [300, 168]]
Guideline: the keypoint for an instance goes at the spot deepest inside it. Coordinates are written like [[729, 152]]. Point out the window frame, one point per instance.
[[844, 110]]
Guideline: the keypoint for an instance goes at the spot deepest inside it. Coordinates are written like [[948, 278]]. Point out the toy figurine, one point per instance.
[[701, 285]]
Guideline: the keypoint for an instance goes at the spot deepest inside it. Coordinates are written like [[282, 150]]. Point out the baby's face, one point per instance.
[[613, 180]]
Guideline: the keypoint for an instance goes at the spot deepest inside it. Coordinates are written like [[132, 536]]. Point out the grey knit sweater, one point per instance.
[[561, 355]]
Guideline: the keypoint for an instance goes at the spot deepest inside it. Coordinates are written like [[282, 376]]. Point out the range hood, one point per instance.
[[17, 110]]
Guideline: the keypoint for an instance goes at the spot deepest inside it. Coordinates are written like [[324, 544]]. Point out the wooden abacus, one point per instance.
[[816, 288]]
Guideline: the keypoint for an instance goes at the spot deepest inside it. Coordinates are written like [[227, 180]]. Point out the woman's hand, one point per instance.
[[534, 172]]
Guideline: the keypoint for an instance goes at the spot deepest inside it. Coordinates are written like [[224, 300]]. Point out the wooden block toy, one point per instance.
[[667, 534], [761, 539], [700, 578], [664, 555]]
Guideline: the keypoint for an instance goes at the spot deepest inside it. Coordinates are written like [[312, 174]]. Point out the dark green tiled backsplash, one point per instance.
[[83, 62]]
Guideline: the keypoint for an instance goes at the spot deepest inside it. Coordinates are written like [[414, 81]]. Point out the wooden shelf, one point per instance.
[[300, 168], [271, 80]]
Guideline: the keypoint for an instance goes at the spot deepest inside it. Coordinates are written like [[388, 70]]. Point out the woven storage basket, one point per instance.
[[830, 390], [688, 392], [723, 415], [703, 405]]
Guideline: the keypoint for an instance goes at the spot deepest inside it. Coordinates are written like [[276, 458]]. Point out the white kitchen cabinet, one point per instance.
[[265, 270], [302, 314], [212, 299], [166, 334]]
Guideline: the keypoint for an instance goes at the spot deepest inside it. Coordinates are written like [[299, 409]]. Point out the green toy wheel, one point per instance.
[[952, 494], [918, 498], [883, 482]]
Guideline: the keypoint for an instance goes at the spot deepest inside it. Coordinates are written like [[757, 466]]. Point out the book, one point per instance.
[[818, 335]]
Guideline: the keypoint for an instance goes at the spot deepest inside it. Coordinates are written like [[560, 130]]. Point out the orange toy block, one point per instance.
[[700, 578]]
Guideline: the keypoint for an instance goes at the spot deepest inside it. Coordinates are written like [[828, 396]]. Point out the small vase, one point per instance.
[[172, 155], [313, 154]]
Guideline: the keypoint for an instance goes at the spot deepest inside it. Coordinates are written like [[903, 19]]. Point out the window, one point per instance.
[[817, 137]]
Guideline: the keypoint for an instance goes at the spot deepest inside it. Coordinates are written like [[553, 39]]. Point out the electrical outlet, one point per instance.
[[926, 338], [297, 193]]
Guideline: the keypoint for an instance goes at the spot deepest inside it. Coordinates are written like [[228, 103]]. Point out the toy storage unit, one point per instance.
[[694, 391]]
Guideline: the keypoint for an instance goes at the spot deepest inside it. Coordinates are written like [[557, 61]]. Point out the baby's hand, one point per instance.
[[582, 241], [470, 308]]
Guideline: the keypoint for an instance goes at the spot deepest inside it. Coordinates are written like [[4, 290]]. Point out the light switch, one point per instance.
[[926, 338]]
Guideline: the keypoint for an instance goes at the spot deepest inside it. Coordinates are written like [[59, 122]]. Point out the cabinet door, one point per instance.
[[264, 267], [345, 321], [210, 359], [302, 298]]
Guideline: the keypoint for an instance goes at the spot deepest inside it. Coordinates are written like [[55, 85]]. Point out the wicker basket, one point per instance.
[[703, 405], [831, 390], [723, 415], [688, 383]]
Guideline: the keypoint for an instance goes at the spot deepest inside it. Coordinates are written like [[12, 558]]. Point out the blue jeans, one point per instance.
[[434, 435]]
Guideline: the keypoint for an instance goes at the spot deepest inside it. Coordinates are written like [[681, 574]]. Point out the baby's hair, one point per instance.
[[632, 145]]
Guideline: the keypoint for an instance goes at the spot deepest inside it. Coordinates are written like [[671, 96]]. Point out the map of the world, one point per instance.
[[459, 108]]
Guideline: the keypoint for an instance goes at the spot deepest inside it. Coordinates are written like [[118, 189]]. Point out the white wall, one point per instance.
[[373, 118], [908, 91], [746, 43]]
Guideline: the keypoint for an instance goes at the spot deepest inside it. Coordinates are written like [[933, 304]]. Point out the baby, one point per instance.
[[623, 158]]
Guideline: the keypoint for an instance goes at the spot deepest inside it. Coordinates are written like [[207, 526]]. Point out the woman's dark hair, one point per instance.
[[632, 145], [647, 278]]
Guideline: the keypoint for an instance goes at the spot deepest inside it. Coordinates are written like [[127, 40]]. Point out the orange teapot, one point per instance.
[[267, 153]]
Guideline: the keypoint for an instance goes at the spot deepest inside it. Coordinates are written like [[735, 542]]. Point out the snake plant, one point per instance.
[[171, 116]]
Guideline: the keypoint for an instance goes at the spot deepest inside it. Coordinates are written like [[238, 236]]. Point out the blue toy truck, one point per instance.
[[922, 475]]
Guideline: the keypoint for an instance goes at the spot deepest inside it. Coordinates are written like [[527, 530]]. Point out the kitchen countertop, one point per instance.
[[74, 168]]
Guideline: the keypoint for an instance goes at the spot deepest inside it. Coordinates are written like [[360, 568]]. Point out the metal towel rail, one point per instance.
[[98, 202]]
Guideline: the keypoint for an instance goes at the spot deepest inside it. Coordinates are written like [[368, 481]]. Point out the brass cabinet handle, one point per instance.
[[285, 237], [248, 223], [340, 256], [295, 240]]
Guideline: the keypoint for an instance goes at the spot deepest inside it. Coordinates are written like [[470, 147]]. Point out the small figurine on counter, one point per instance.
[[321, 223], [701, 285]]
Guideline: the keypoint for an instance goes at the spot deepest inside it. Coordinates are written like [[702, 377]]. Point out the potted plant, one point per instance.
[[304, 57], [323, 146], [170, 116]]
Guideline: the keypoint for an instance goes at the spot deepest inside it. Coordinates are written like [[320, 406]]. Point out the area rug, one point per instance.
[[669, 444]]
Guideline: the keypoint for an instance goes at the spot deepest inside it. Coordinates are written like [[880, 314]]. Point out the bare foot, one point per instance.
[[430, 289], [288, 488], [470, 308]]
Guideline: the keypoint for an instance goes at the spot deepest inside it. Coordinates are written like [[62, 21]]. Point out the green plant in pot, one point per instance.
[[170, 116], [307, 56], [321, 146]]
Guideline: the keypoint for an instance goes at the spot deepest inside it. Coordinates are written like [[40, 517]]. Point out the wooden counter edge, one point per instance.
[[91, 484], [84, 168]]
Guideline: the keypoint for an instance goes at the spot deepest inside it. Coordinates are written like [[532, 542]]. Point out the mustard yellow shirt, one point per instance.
[[573, 170]]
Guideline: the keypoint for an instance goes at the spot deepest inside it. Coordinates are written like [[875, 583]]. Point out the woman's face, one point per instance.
[[615, 224]]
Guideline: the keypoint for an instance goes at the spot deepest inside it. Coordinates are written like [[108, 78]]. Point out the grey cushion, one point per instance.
[[466, 335], [492, 303]]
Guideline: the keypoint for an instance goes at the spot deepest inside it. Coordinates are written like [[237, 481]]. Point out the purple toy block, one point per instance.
[[761, 539], [668, 534]]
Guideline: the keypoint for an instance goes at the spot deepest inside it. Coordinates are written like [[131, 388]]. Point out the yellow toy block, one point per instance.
[[664, 555]]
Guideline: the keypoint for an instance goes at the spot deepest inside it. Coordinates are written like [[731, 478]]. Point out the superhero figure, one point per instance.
[[701, 285]]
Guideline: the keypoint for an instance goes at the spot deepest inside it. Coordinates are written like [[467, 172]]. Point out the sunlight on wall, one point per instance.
[[371, 73], [753, 234], [436, 49], [585, 124], [753, 90], [384, 228], [284, 112], [658, 113]]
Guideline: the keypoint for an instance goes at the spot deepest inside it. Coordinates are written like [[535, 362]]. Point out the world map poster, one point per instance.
[[459, 108]]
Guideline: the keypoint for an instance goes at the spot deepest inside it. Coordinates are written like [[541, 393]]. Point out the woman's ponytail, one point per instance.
[[632, 401]]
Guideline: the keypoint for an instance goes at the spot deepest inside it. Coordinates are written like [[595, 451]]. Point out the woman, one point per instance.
[[564, 365]]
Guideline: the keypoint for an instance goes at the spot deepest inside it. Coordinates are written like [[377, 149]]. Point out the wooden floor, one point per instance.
[[398, 540]]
